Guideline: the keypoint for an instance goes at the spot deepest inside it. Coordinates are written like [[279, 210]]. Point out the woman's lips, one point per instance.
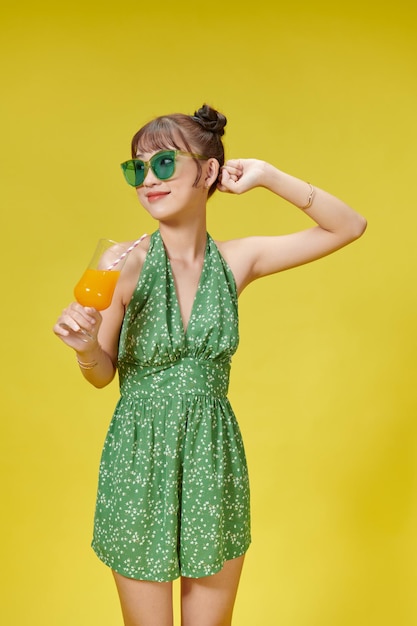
[[156, 195]]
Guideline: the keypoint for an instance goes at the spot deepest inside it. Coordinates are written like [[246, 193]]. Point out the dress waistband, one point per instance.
[[185, 376]]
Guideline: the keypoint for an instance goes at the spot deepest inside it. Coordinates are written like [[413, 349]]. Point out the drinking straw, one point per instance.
[[130, 248]]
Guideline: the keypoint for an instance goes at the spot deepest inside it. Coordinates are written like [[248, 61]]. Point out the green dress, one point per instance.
[[173, 494]]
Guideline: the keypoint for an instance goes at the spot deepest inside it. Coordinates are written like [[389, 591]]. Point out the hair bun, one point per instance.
[[210, 119]]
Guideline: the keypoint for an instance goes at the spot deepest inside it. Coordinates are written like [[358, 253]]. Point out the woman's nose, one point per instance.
[[150, 178]]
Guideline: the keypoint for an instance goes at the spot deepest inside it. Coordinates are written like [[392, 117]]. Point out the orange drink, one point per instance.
[[97, 284], [96, 288]]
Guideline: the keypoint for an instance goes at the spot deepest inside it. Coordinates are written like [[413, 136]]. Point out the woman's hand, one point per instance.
[[78, 327], [240, 175]]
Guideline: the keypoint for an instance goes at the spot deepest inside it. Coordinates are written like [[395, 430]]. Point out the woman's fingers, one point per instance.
[[231, 173], [228, 180], [76, 319], [239, 176], [234, 165]]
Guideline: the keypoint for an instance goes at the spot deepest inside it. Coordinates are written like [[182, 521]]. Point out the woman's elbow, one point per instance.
[[357, 227]]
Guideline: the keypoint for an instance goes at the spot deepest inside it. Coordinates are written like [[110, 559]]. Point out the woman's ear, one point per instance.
[[211, 172]]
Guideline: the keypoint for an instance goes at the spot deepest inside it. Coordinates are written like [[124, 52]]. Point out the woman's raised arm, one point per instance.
[[337, 224]]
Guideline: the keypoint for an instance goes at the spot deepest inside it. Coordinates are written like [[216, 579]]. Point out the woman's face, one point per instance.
[[176, 196]]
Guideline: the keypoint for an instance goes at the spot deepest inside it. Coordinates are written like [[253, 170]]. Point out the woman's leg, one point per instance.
[[145, 603], [209, 601]]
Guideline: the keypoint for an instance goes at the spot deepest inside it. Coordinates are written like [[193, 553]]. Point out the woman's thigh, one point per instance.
[[209, 601], [145, 603]]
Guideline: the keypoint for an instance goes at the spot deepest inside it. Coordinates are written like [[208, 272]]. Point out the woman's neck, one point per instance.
[[185, 242]]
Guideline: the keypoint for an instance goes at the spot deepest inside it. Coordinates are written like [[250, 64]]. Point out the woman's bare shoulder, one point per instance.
[[135, 258], [137, 246]]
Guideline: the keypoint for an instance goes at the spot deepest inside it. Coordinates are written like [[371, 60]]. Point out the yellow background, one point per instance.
[[324, 382]]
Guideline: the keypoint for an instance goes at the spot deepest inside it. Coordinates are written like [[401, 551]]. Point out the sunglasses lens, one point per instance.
[[163, 164], [134, 172]]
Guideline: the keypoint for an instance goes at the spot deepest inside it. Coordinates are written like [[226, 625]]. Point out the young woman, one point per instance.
[[173, 496]]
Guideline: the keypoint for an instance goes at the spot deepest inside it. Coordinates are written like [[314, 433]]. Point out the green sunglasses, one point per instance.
[[162, 165]]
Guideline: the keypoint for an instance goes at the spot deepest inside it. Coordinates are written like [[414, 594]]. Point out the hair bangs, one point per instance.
[[159, 134]]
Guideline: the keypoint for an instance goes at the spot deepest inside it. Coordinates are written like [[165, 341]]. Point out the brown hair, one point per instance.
[[200, 133]]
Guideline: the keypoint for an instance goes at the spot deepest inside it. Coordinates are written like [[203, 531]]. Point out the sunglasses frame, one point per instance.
[[149, 164]]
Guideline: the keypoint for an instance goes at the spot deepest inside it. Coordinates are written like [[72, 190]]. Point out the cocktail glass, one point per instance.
[[96, 286]]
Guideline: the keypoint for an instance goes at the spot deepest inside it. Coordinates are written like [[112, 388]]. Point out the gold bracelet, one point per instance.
[[309, 199], [86, 366]]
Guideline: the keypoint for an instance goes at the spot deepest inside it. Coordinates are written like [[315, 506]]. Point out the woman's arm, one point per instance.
[[253, 257]]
